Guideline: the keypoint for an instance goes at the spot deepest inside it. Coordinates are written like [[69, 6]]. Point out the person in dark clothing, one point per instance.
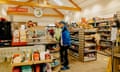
[[64, 45]]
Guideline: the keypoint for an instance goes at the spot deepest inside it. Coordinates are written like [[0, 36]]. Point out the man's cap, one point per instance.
[[63, 22]]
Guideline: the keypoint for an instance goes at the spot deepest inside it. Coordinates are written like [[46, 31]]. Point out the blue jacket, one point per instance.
[[66, 37]]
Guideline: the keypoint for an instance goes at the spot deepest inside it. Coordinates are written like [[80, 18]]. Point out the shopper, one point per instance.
[[58, 31], [64, 45]]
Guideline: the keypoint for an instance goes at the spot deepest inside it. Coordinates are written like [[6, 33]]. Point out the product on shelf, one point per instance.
[[42, 55], [47, 55], [30, 55], [26, 69], [37, 68], [16, 69], [36, 56], [17, 58], [55, 62]]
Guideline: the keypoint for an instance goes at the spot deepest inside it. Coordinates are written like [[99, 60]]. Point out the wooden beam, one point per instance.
[[58, 12], [37, 5], [26, 1], [75, 4], [31, 14]]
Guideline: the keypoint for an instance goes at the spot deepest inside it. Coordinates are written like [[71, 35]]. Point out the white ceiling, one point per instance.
[[90, 8]]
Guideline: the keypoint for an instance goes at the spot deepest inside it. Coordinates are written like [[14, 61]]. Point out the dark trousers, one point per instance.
[[64, 55]]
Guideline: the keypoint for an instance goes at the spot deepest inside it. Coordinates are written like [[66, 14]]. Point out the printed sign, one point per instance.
[[16, 9]]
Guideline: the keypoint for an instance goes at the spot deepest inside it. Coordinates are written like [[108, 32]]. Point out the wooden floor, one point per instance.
[[94, 66]]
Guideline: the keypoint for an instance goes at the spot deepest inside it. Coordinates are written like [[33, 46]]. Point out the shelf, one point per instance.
[[30, 63], [75, 43], [90, 51], [117, 55], [43, 61], [90, 45], [103, 30], [90, 31], [74, 36], [22, 64], [104, 53], [88, 38], [75, 50], [105, 40], [74, 31], [105, 45], [107, 35], [74, 54], [42, 42], [100, 21], [104, 26], [89, 59], [55, 50]]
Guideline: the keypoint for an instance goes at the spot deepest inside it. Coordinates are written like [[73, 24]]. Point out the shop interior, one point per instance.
[[27, 35]]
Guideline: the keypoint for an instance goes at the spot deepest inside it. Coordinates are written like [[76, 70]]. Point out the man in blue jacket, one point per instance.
[[64, 45]]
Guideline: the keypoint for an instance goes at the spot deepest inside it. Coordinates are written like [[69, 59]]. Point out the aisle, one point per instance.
[[93, 66]]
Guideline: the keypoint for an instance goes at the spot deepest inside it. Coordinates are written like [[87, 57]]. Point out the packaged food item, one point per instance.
[[16, 69], [42, 55], [36, 56], [17, 58], [26, 69], [47, 55], [37, 68]]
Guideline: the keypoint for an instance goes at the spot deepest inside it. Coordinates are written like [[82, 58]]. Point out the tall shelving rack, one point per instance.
[[83, 48], [104, 30], [105, 33]]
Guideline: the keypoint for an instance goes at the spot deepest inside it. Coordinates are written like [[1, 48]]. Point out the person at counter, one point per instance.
[[64, 42]]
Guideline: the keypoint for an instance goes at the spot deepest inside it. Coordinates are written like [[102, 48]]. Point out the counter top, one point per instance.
[[33, 43], [42, 42]]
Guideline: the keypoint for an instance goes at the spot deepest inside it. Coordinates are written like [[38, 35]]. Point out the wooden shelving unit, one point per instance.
[[90, 53], [105, 33], [104, 29], [83, 47], [74, 50]]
